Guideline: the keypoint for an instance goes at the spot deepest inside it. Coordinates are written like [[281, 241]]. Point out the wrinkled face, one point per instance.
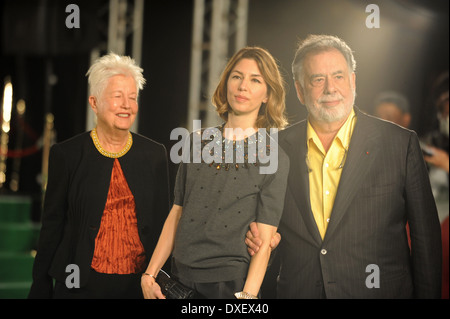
[[246, 88], [117, 107], [329, 86]]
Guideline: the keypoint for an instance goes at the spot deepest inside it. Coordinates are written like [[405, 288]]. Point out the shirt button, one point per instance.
[[327, 192], [328, 220], [326, 165], [323, 251]]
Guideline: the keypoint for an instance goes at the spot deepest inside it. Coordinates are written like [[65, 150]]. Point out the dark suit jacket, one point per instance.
[[75, 198], [384, 184]]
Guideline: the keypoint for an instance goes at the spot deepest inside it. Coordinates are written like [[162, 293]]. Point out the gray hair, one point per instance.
[[316, 44], [110, 65]]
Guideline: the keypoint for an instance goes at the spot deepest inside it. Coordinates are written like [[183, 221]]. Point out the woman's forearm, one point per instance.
[[166, 241], [259, 261], [257, 271]]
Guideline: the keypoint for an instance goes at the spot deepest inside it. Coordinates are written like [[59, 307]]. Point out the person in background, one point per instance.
[[106, 199], [437, 158], [438, 139], [215, 202], [356, 181], [393, 106]]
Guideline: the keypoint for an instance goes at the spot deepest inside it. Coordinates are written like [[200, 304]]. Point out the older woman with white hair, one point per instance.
[[107, 196]]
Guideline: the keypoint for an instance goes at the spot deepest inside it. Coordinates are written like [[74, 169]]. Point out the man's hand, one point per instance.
[[253, 241]]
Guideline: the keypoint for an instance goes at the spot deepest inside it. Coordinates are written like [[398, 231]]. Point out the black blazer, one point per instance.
[[75, 198], [384, 184]]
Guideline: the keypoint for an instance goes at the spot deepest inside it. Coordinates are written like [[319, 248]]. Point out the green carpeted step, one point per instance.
[[15, 208], [15, 275], [18, 237], [15, 290], [16, 267]]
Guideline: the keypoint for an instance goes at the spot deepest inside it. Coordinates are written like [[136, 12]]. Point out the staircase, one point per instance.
[[18, 238]]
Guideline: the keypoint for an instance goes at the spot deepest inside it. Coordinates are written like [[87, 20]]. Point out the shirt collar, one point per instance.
[[342, 137]]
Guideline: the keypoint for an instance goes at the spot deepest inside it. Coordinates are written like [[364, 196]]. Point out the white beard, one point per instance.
[[335, 114]]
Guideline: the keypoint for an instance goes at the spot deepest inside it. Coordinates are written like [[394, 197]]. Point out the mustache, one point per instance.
[[330, 98]]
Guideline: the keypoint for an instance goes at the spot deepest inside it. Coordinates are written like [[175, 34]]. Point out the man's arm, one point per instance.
[[424, 225]]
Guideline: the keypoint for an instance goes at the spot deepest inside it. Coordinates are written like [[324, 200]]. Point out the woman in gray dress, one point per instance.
[[217, 198]]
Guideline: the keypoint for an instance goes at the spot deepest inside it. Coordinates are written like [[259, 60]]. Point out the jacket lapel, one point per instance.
[[99, 178], [298, 181], [361, 155]]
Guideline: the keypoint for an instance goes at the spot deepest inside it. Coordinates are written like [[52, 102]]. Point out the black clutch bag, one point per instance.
[[172, 289]]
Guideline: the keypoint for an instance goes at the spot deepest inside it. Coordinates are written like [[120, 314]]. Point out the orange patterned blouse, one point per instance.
[[118, 249]]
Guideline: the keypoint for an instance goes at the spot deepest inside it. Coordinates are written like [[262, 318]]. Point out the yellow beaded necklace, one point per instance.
[[110, 154]]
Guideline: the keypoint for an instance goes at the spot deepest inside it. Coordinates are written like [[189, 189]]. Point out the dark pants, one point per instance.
[[103, 286], [216, 290]]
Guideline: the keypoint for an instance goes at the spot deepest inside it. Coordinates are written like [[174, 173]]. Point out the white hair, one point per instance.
[[110, 65], [320, 43]]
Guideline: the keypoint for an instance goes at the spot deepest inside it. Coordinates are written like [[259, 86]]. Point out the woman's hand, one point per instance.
[[150, 289]]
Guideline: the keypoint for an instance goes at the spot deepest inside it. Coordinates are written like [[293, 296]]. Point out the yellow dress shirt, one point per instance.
[[325, 170]]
